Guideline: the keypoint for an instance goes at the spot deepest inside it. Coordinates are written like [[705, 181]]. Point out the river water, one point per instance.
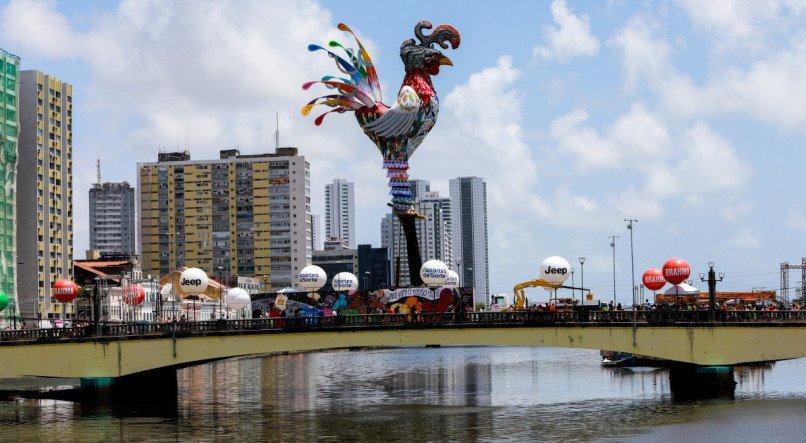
[[431, 394]]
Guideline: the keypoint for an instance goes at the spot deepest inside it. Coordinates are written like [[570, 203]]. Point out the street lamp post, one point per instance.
[[573, 295], [582, 282], [712, 289], [366, 280], [613, 245], [630, 222], [220, 270]]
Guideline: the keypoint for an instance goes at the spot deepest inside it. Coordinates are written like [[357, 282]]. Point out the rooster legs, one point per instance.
[[408, 222]]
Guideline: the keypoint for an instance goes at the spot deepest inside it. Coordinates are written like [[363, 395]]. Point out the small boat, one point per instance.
[[613, 359]]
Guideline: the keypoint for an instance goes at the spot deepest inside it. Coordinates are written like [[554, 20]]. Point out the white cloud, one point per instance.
[[695, 162], [742, 25], [214, 71], [746, 239], [771, 88], [570, 38], [36, 26], [796, 221]]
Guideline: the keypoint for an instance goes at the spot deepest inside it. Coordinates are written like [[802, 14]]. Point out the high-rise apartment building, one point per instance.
[[246, 214], [340, 211], [112, 215], [469, 226], [9, 128], [316, 238], [44, 193]]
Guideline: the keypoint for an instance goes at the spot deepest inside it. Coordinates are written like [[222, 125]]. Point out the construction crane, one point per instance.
[[520, 297]]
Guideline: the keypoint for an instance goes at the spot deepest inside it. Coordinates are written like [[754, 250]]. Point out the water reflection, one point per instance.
[[406, 394]]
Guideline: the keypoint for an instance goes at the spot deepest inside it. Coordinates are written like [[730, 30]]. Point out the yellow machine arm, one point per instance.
[[520, 297]]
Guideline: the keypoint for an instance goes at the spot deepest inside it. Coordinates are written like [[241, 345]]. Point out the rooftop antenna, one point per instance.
[[98, 170], [187, 129], [277, 131]]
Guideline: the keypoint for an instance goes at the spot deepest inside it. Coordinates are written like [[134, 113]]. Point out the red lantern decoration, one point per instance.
[[134, 294], [676, 271], [653, 279], [64, 291]]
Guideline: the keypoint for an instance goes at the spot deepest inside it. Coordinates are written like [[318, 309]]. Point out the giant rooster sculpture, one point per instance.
[[398, 130]]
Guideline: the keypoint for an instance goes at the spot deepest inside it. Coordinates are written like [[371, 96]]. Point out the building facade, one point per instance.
[[246, 214], [340, 211], [44, 193], [112, 215], [373, 268], [469, 227], [9, 129]]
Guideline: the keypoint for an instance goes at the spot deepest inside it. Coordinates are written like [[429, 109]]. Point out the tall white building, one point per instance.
[[112, 215], [340, 211], [316, 232], [469, 226]]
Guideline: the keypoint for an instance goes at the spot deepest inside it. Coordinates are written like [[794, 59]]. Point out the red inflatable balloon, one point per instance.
[[653, 279], [676, 271], [134, 294], [65, 291]]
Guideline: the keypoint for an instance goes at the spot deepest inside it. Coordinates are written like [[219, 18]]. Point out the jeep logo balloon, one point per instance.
[[344, 281], [193, 281], [434, 272], [312, 278], [555, 270]]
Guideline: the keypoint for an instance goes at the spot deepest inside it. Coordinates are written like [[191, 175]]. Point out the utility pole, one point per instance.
[[613, 245]]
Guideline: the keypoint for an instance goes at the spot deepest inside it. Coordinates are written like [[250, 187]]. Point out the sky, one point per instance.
[[687, 116]]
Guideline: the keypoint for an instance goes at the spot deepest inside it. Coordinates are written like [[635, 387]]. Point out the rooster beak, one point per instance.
[[445, 61]]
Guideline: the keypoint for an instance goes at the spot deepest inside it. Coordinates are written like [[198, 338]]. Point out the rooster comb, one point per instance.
[[442, 35]]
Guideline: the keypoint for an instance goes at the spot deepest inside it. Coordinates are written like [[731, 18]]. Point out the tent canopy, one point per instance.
[[682, 289]]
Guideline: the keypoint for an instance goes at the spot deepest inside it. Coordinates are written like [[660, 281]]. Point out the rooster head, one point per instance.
[[422, 55]]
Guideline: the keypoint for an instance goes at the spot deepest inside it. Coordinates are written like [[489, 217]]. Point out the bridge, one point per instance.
[[112, 351]]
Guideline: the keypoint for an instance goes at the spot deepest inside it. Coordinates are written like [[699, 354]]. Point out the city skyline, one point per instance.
[[576, 115]]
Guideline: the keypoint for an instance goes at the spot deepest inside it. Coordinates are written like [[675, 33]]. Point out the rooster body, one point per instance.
[[398, 130]]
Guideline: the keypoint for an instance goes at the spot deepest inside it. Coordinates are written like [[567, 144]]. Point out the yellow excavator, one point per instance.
[[520, 297]]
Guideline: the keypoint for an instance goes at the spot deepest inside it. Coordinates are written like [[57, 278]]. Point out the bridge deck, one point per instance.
[[119, 350]]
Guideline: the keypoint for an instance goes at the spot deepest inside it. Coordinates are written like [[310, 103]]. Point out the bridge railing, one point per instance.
[[412, 320]]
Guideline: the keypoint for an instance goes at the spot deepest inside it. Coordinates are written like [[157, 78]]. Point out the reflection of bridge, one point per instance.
[[123, 350]]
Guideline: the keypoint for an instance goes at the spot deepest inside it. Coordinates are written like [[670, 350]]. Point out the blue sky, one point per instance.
[[689, 116]]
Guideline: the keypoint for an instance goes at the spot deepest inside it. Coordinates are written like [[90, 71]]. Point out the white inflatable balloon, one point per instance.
[[312, 278], [193, 281], [434, 272], [452, 281], [555, 270], [344, 281], [238, 298]]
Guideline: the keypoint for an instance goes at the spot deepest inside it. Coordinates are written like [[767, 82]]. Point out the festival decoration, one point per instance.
[[396, 131], [452, 282], [134, 294], [280, 301], [193, 281], [312, 278], [555, 270], [434, 272], [65, 291], [344, 281], [653, 279], [237, 298], [676, 271]]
